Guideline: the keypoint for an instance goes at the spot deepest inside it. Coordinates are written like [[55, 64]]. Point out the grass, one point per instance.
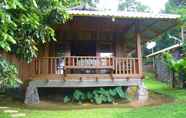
[[164, 111], [176, 110], [4, 115], [163, 88], [171, 110]]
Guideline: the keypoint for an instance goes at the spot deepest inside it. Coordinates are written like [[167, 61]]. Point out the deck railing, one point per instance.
[[58, 65], [89, 62]]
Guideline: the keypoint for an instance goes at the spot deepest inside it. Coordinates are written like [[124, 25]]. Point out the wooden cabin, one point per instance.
[[93, 49]]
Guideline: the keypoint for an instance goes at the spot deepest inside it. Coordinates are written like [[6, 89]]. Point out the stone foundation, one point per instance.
[[32, 96], [142, 93]]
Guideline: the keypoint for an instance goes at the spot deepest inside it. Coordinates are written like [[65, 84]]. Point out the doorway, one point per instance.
[[83, 48]]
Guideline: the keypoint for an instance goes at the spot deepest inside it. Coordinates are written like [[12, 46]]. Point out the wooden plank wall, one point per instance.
[[119, 43]]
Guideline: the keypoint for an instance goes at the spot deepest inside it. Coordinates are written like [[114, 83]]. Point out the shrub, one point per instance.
[[97, 95], [8, 74], [178, 66]]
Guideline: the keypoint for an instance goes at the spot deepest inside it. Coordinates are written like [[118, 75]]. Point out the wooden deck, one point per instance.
[[80, 77], [84, 83]]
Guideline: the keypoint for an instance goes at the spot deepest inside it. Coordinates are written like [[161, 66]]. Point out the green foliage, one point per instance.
[[119, 92], [178, 66], [177, 7], [79, 96], [8, 74], [98, 95], [183, 48], [66, 99], [25, 25], [88, 2], [133, 5], [164, 41], [4, 115], [170, 61]]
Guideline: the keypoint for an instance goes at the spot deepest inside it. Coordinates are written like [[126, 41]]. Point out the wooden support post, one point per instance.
[[139, 53]]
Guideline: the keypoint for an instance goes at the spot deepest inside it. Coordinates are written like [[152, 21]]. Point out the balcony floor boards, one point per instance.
[[85, 80]]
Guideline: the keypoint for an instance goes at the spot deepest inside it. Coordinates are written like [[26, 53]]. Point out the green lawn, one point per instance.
[[4, 115], [171, 110], [162, 88], [176, 110], [163, 111]]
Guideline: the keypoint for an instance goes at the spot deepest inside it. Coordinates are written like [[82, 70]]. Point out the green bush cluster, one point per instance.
[[97, 95], [176, 65], [8, 74]]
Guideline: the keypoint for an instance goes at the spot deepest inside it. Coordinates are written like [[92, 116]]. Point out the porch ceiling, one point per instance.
[[149, 24]]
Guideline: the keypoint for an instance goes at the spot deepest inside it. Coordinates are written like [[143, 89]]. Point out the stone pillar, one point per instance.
[[32, 96], [142, 93]]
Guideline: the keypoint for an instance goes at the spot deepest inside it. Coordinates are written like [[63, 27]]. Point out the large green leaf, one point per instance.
[[23, 21]]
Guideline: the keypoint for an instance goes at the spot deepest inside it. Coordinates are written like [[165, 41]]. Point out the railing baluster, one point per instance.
[[36, 66], [69, 61], [118, 65], [39, 67], [134, 66], [123, 66], [113, 63], [47, 66], [130, 66], [75, 61], [116, 68], [51, 68], [127, 66], [108, 60], [55, 66]]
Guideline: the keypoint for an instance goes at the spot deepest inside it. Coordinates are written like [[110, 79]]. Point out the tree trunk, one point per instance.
[[173, 80]]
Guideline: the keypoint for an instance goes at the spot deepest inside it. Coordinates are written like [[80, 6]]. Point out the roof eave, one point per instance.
[[119, 14]]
